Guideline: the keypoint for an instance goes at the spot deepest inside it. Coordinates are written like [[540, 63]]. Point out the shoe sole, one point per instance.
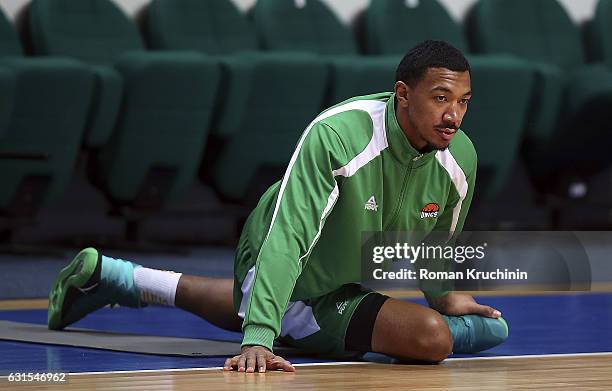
[[71, 278]]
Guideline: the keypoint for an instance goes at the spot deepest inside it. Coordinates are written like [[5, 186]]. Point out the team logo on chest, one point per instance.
[[371, 204], [430, 211]]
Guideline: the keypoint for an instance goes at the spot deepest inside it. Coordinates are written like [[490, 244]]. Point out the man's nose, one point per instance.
[[452, 116]]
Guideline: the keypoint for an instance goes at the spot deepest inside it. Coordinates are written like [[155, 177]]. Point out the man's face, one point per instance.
[[431, 111]]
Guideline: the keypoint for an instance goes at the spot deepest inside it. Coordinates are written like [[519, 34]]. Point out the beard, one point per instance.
[[440, 148], [434, 147]]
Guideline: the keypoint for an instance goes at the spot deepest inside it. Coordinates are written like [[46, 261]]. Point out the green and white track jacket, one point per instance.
[[353, 170]]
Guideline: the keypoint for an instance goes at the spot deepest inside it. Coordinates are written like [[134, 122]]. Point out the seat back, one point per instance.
[[95, 31], [211, 26], [44, 127], [394, 26], [9, 42], [257, 105], [44, 133], [154, 151], [600, 37], [497, 131], [166, 99], [9, 46], [537, 30], [301, 25]]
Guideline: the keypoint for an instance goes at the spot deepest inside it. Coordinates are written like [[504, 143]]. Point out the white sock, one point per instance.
[[156, 286]]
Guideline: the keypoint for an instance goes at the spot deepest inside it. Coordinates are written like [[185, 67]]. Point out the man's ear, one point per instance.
[[402, 93]]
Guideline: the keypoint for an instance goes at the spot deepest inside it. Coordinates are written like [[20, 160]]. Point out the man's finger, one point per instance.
[[287, 367], [280, 363], [485, 310], [241, 363], [227, 366], [251, 362], [261, 362]]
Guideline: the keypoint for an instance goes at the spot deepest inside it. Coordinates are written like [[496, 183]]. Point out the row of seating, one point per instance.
[[249, 85], [571, 98]]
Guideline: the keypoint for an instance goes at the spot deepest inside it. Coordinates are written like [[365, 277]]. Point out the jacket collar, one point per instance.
[[400, 147]]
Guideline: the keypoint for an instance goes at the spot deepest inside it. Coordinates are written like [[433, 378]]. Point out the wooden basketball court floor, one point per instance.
[[557, 341]]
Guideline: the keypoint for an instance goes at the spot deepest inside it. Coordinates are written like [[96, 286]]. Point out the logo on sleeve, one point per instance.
[[430, 211], [371, 204]]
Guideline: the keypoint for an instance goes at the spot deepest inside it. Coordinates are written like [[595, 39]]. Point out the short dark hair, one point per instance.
[[430, 54]]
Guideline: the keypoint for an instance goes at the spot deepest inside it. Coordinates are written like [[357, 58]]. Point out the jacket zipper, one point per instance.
[[398, 206]]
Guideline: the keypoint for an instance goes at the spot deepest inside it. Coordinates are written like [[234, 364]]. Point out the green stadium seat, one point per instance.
[[569, 97], [301, 25], [394, 26], [546, 34], [600, 34], [7, 92], [43, 105], [44, 16], [311, 26], [166, 101], [600, 38], [266, 101], [8, 44], [495, 127]]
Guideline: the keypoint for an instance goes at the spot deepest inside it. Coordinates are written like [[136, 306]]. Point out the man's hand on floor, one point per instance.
[[257, 358], [458, 304]]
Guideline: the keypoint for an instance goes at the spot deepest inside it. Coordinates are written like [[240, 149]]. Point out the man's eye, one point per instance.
[[441, 98], [465, 101]]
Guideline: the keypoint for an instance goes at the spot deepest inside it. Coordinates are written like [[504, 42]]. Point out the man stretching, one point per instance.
[[371, 163]]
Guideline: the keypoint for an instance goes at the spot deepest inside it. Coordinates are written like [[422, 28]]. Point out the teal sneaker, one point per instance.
[[90, 282], [475, 333]]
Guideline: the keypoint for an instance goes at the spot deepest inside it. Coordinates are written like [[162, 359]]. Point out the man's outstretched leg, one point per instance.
[[92, 281], [209, 298]]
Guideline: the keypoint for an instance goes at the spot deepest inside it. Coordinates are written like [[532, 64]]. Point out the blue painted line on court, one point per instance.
[[555, 324]]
